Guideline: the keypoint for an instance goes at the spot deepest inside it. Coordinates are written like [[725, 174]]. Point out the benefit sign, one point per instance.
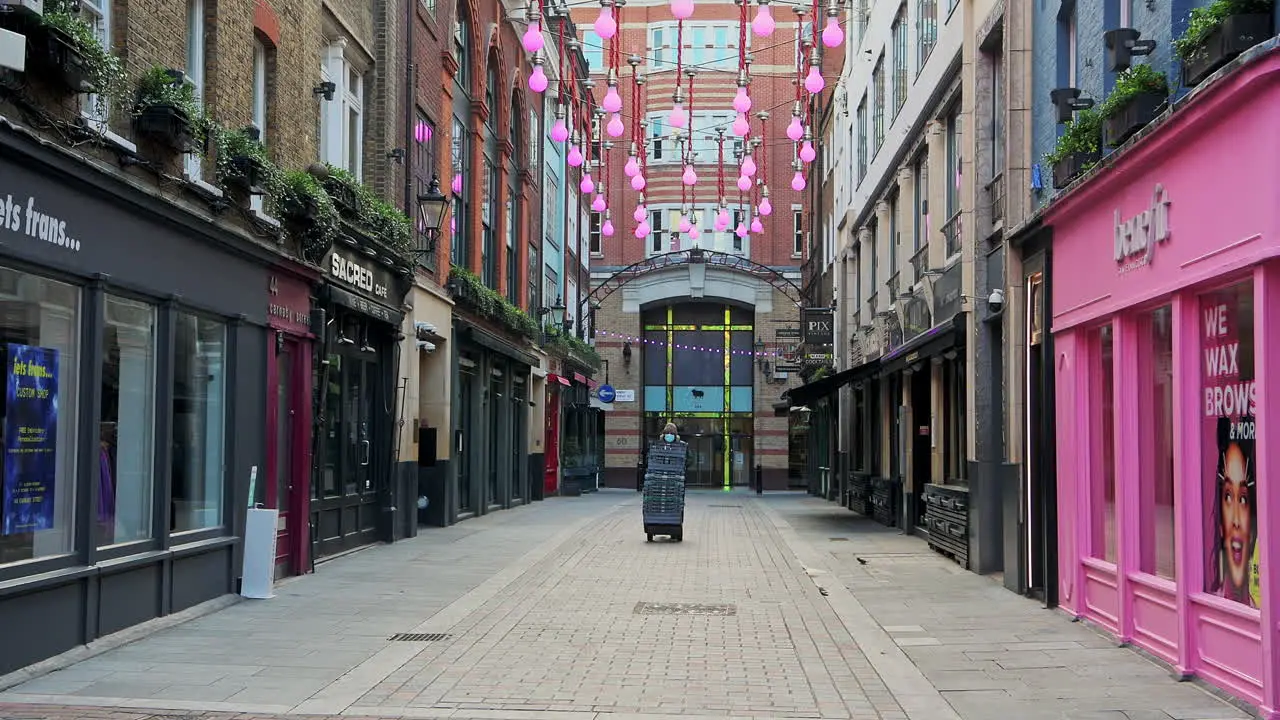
[[1229, 430], [30, 439]]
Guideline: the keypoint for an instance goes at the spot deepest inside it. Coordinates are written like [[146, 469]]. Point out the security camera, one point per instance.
[[428, 346], [995, 301]]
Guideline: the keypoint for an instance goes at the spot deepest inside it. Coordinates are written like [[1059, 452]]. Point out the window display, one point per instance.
[[1155, 405], [126, 428], [198, 424], [39, 325], [1230, 405]]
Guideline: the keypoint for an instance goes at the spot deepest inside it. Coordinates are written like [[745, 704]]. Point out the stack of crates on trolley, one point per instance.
[[664, 491]]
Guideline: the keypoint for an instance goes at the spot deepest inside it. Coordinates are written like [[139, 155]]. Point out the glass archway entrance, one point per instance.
[[698, 369]]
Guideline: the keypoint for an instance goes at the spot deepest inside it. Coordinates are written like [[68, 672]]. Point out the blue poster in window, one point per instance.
[[30, 439]]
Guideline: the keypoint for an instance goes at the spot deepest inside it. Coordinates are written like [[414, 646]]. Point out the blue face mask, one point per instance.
[[669, 437]]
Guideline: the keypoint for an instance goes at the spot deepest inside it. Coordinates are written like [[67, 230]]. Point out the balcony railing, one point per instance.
[[995, 195], [951, 231], [895, 287], [920, 262]]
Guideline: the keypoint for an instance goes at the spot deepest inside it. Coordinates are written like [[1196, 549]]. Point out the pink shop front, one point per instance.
[[1164, 313]]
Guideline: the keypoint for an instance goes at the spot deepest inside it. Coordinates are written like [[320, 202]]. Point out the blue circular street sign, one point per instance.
[[606, 393]]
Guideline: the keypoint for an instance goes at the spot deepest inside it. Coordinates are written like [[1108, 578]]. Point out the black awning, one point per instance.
[[819, 389], [480, 336], [934, 341]]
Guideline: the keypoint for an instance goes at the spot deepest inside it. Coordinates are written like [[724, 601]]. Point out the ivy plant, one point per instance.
[[233, 144], [106, 72], [377, 215], [568, 344], [298, 193], [1082, 135], [1137, 80], [489, 304], [1203, 21], [158, 87]]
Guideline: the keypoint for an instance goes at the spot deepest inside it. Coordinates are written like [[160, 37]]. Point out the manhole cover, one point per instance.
[[838, 539], [648, 608], [419, 637]]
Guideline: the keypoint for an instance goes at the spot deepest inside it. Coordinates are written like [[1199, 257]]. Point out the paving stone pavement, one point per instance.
[[561, 610]]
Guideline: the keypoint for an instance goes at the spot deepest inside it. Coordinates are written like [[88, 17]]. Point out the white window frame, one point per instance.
[[260, 89], [797, 230], [195, 75], [336, 143], [98, 14], [1072, 47]]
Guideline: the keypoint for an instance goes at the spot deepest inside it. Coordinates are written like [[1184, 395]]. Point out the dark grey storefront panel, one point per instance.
[[41, 624], [83, 230]]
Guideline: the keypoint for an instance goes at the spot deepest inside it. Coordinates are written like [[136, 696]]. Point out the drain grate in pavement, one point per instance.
[[649, 608], [838, 539], [419, 637], [736, 507]]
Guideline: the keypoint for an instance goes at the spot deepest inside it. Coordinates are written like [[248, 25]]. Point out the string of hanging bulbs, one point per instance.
[[574, 123]]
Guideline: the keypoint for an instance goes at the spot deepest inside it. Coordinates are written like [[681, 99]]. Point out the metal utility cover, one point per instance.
[[419, 637], [650, 608]]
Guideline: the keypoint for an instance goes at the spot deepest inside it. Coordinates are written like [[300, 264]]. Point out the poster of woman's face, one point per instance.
[[1232, 567]]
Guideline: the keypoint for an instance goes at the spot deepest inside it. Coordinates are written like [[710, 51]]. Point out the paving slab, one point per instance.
[[563, 610]]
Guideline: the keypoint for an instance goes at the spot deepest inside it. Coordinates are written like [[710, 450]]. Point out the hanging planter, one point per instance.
[[1219, 32], [345, 197], [243, 166], [56, 58], [167, 111], [1072, 166], [1137, 99], [307, 211], [1078, 149]]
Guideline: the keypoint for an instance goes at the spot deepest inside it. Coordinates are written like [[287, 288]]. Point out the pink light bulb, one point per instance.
[[615, 128], [532, 39], [612, 100], [832, 34], [637, 182], [682, 9], [678, 117], [807, 153], [606, 27], [722, 220], [744, 183], [797, 181], [766, 207], [456, 185], [756, 226], [814, 82], [575, 157], [607, 228], [640, 214], [742, 101], [642, 230], [537, 79], [559, 131], [748, 166], [598, 204], [685, 225], [587, 186], [741, 231], [632, 167], [689, 177], [763, 24], [694, 234], [795, 130], [741, 125]]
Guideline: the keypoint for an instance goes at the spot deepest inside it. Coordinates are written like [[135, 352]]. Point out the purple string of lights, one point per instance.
[[696, 348]]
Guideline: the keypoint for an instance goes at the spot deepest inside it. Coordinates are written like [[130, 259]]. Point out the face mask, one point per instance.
[[669, 437]]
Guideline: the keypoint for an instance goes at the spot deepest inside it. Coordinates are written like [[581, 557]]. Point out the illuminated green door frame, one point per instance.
[[728, 328]]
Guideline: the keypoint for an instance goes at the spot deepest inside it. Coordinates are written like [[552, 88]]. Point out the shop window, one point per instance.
[[1229, 392], [1102, 474], [926, 31], [1156, 507], [39, 326], [126, 428], [200, 376]]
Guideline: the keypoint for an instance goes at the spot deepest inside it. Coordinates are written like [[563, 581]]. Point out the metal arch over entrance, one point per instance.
[[692, 256]]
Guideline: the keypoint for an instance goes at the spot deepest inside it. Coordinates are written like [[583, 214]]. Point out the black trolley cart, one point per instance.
[[664, 491]]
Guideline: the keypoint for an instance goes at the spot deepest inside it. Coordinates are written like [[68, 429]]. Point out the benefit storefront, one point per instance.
[[133, 337], [1166, 296]]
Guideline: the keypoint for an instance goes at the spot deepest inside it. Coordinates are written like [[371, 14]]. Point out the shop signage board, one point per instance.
[[818, 325], [288, 304], [787, 333], [1136, 237], [946, 294], [30, 439], [915, 312], [359, 274], [624, 396]]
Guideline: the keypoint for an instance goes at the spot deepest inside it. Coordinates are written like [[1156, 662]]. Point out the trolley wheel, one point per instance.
[[650, 537], [678, 537]]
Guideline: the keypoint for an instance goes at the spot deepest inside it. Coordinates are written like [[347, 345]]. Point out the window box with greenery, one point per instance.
[[307, 211], [469, 290], [1218, 32], [167, 111], [344, 188], [243, 166], [369, 214], [65, 53], [1078, 149], [1137, 99], [568, 346]]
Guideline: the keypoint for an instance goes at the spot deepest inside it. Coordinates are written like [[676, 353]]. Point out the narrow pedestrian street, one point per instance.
[[781, 606]]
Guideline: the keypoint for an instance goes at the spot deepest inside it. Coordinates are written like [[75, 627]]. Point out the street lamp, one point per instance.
[[433, 207], [555, 310]]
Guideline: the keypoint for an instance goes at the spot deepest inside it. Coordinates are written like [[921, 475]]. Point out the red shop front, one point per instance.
[[551, 440], [289, 390]]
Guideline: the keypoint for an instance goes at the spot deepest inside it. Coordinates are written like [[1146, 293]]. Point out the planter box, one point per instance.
[[1072, 167], [1237, 34], [1135, 115], [244, 176], [167, 124], [344, 198], [53, 56]]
